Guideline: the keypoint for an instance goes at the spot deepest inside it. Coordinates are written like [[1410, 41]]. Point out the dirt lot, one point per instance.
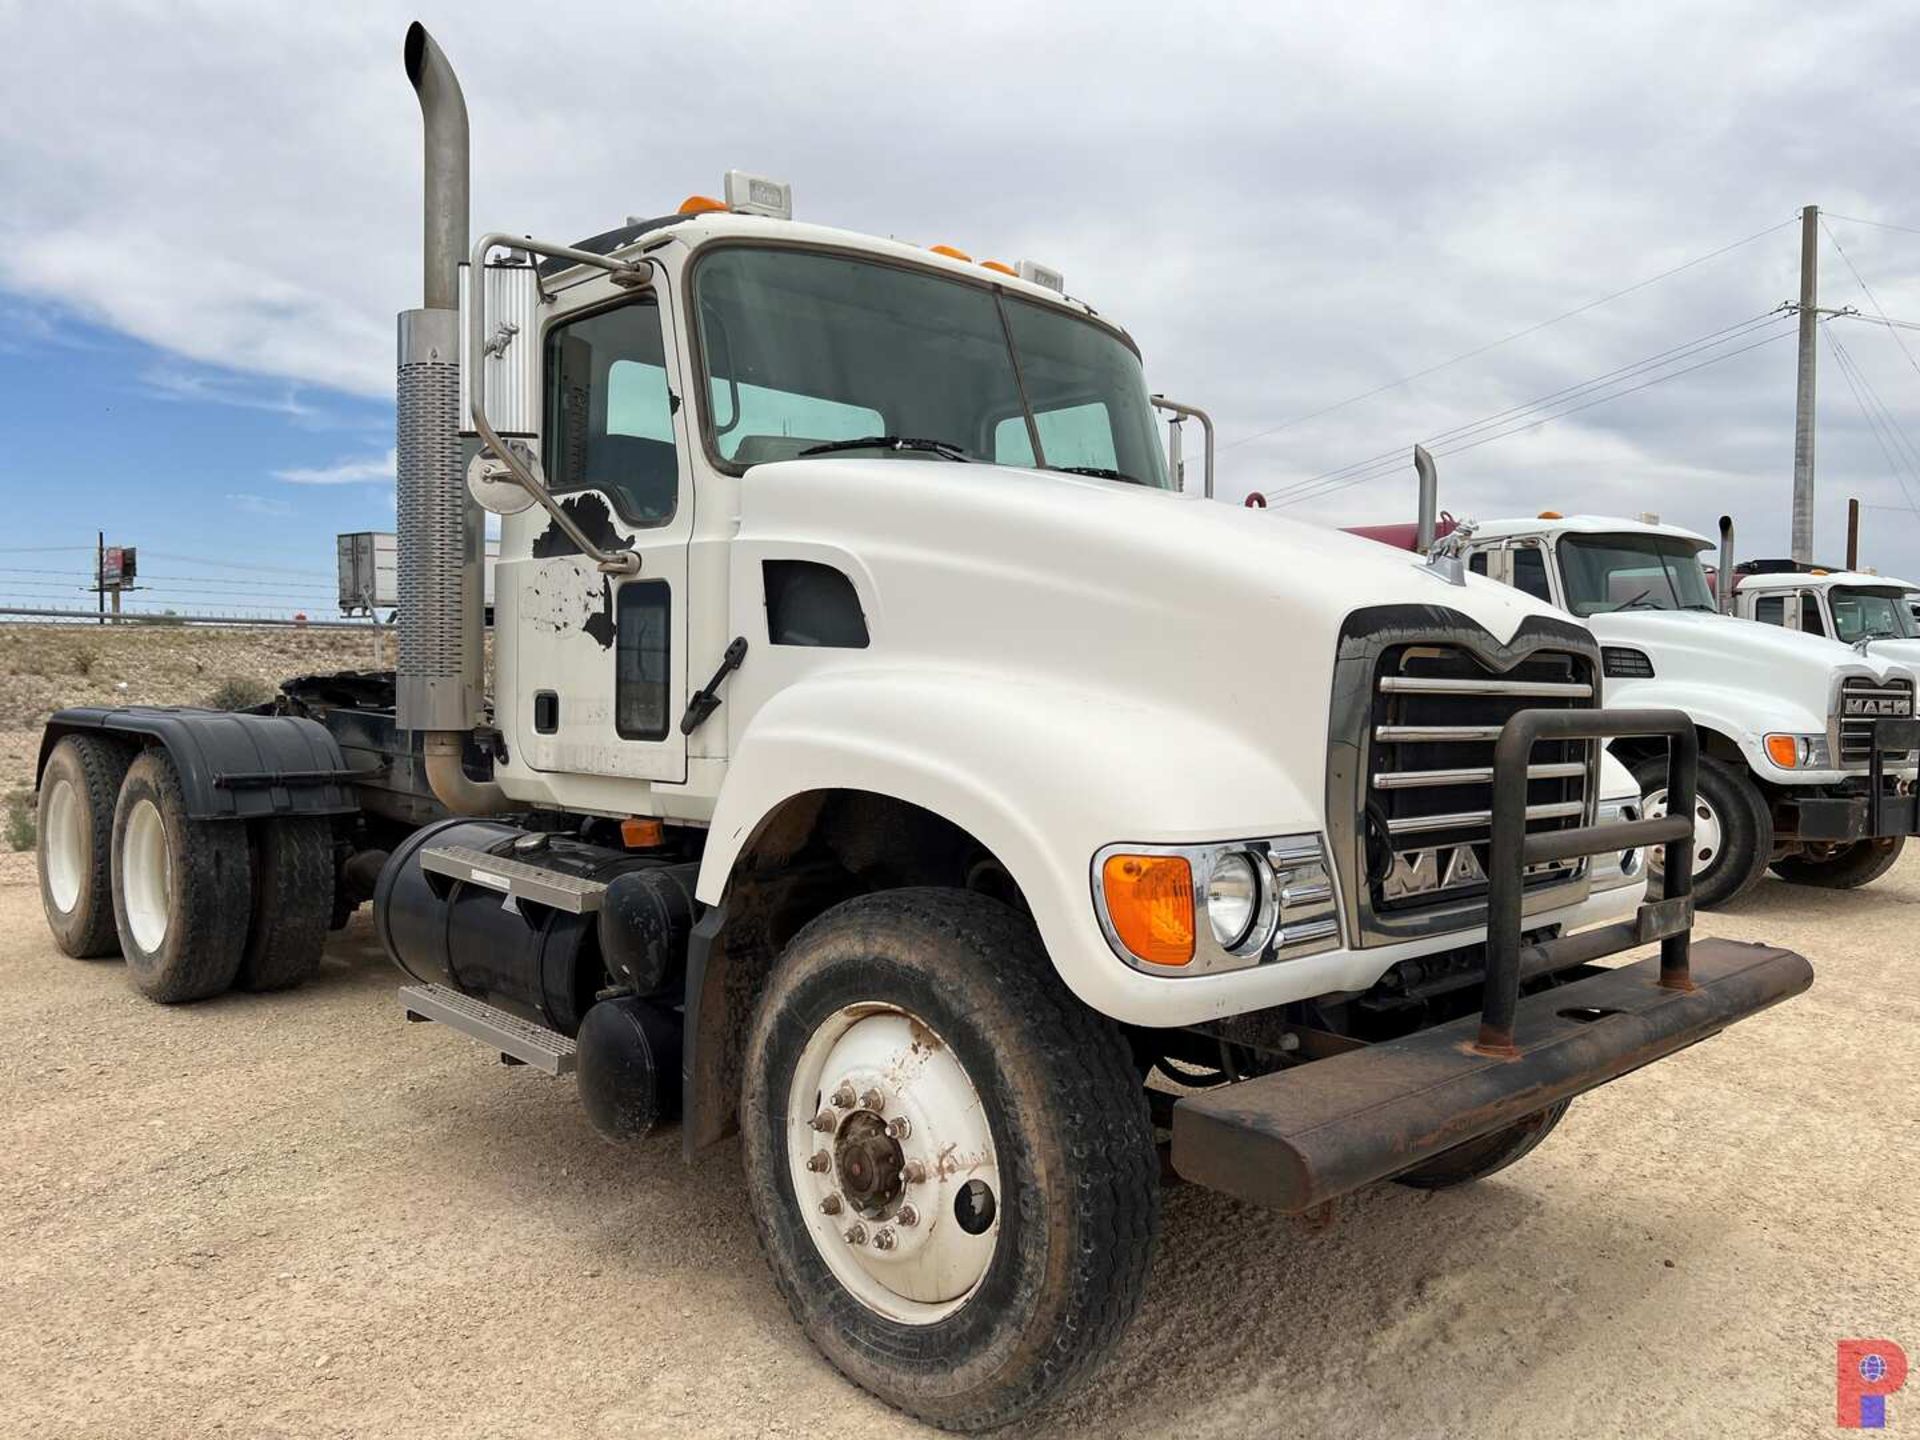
[[301, 1216]]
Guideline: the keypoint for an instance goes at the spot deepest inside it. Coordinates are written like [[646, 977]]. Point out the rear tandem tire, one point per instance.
[[1029, 1133], [1847, 868], [1483, 1156], [182, 888], [74, 837], [292, 902]]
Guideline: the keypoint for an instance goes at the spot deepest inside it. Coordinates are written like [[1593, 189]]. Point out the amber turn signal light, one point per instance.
[[1784, 751], [1150, 904]]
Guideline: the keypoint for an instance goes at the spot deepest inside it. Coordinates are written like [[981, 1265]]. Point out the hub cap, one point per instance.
[[893, 1163], [146, 876], [1707, 839], [63, 845]]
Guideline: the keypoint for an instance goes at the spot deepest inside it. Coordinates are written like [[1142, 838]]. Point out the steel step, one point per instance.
[[520, 1042], [515, 878]]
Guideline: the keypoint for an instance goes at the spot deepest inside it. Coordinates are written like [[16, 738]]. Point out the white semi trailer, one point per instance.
[[882, 759]]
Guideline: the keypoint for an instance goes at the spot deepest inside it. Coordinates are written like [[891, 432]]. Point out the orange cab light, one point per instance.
[[1818, 571], [1150, 902], [1784, 751], [1003, 269], [639, 833], [951, 253], [1549, 515], [701, 205]]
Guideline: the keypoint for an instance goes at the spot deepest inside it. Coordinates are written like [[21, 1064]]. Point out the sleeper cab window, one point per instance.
[[609, 413], [642, 686]]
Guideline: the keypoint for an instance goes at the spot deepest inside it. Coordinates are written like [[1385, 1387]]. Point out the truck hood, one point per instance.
[[1738, 656], [1197, 623]]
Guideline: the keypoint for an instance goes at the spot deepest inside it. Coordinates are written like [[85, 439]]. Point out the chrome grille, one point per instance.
[[1864, 700], [1429, 768]]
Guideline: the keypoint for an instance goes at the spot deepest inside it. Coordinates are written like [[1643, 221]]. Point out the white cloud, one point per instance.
[[1286, 205], [345, 472]]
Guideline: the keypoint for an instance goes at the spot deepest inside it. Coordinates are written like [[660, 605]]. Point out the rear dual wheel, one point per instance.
[[949, 1159]]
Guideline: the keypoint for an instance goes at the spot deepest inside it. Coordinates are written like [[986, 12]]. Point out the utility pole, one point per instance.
[[1853, 534], [1803, 392], [100, 575]]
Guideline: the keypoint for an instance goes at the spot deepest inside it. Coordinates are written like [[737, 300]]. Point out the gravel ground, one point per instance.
[[299, 1216]]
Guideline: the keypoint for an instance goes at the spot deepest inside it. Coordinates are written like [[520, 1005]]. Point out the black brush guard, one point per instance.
[[1302, 1136]]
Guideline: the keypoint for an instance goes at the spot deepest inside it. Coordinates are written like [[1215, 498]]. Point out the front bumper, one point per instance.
[[1300, 1137], [1883, 807]]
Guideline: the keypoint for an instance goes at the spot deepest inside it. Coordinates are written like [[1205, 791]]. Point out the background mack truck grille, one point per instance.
[[1856, 731], [1429, 765]]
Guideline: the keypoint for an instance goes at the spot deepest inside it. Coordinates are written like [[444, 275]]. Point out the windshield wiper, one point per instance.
[[1629, 604], [1099, 472], [893, 442]]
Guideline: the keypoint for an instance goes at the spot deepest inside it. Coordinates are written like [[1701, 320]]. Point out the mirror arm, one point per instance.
[[1161, 402], [631, 272]]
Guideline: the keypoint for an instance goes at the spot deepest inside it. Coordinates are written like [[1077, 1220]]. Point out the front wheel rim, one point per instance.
[[63, 846], [893, 1163], [1709, 837], [146, 876]]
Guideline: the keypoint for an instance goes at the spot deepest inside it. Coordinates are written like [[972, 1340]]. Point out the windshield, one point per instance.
[[1602, 573], [805, 350], [1861, 614]]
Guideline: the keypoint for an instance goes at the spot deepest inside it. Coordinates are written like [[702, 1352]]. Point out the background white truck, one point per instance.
[[882, 760], [1869, 612], [1807, 747]]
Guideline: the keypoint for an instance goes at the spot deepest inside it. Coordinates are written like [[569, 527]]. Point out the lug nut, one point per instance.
[[824, 1122], [856, 1235], [883, 1240], [873, 1100], [843, 1098], [908, 1216], [898, 1127], [819, 1161], [913, 1172], [830, 1205]]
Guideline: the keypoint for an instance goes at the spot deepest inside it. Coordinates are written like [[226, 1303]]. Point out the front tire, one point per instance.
[[1847, 867], [182, 888], [1020, 1197], [1733, 829], [74, 838]]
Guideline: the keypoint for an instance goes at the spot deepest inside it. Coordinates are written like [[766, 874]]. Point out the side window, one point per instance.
[[1771, 610], [641, 688], [1076, 435], [609, 416], [1810, 614], [1530, 572], [1477, 562]]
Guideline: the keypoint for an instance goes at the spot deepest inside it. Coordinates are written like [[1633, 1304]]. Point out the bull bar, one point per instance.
[[1301, 1136]]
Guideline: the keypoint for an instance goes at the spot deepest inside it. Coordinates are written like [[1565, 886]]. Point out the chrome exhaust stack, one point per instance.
[[442, 538], [1429, 499]]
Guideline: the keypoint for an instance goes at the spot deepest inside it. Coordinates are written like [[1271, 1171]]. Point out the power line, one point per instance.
[[1589, 393], [1894, 467], [1877, 224], [1872, 299], [1505, 339], [1902, 442], [233, 564]]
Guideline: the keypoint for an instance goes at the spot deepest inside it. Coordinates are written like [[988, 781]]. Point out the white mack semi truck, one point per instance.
[[882, 760], [1807, 747]]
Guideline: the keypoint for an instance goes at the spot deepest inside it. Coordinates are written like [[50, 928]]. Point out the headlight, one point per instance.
[[1798, 752], [1192, 909], [1233, 896]]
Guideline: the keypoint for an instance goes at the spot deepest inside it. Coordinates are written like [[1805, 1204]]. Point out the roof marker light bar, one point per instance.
[[757, 195], [1047, 278]]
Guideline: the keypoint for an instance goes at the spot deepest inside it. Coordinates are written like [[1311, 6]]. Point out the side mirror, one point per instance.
[[494, 487]]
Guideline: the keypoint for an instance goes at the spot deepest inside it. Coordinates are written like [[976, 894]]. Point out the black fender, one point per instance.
[[233, 765]]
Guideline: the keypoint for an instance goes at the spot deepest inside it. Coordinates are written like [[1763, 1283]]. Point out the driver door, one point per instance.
[[600, 660]]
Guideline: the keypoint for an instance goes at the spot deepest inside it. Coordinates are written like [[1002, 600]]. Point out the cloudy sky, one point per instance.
[[210, 217]]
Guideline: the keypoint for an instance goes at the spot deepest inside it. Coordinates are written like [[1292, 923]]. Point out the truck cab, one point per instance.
[[1867, 612], [880, 758], [1796, 772]]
